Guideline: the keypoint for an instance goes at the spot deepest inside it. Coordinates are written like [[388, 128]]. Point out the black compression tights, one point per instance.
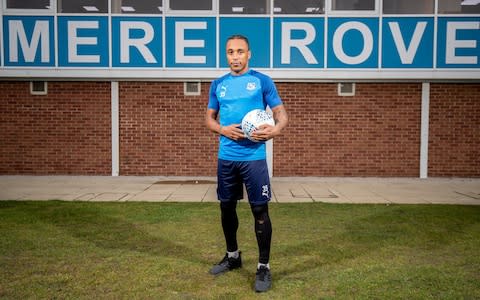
[[263, 228], [230, 224], [263, 231]]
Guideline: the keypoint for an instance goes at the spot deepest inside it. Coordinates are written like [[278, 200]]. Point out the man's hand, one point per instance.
[[233, 132], [264, 133]]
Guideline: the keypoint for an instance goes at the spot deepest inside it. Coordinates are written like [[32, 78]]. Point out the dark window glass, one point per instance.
[[244, 6], [408, 6], [137, 6], [191, 4], [299, 7], [353, 4], [83, 6], [458, 7], [28, 4]]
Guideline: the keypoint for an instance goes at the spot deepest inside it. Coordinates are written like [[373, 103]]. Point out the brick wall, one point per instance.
[[374, 133], [162, 132], [66, 131], [454, 135]]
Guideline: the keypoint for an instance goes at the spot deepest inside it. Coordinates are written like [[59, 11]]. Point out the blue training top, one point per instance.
[[233, 97]]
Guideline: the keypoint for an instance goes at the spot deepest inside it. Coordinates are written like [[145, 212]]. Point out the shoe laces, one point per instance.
[[262, 272], [224, 260]]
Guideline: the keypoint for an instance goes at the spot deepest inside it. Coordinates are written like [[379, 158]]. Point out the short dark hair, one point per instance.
[[239, 37]]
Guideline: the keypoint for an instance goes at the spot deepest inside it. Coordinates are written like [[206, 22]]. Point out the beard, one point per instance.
[[238, 68]]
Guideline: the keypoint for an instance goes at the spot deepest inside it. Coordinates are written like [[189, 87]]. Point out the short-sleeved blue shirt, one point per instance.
[[233, 97]]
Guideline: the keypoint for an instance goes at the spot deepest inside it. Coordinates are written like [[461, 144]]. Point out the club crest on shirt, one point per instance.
[[251, 86]]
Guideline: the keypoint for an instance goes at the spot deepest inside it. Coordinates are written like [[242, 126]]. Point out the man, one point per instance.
[[240, 160]]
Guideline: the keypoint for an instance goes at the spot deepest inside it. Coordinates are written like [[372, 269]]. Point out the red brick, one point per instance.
[[66, 131], [162, 132]]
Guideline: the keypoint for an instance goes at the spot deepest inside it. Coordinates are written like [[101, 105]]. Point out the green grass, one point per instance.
[[79, 250]]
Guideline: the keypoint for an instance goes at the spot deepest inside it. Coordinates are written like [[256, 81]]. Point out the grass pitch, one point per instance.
[[79, 250]]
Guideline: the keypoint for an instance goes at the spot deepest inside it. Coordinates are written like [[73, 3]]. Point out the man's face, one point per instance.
[[238, 55]]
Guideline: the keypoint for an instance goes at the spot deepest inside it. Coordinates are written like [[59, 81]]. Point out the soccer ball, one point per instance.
[[253, 120]]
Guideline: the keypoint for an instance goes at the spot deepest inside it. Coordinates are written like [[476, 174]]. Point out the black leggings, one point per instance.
[[263, 228]]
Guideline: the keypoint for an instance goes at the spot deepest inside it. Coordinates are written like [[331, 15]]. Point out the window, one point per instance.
[[459, 6], [408, 6], [299, 6], [137, 6], [244, 6], [192, 88], [346, 89], [28, 4], [353, 4], [190, 5], [83, 6], [38, 87]]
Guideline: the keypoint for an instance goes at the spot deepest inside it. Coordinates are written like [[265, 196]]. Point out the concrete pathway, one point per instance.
[[463, 191]]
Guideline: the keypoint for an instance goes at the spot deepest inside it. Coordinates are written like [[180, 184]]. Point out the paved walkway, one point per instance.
[[202, 189]]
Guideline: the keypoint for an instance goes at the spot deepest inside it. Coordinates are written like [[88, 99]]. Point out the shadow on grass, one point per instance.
[[340, 235], [108, 227]]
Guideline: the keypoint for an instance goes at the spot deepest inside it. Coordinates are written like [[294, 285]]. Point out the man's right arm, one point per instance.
[[211, 121], [231, 131]]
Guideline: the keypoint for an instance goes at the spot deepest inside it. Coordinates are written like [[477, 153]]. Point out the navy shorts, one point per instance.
[[232, 174]]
